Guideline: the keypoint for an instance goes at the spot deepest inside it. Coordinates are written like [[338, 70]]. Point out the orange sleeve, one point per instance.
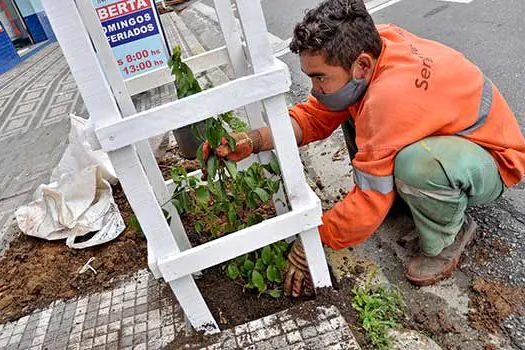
[[360, 214], [316, 121]]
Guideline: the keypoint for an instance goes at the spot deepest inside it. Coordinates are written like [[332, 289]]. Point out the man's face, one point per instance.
[[326, 79]]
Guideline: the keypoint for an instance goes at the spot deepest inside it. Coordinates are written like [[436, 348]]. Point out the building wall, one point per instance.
[[44, 21], [8, 56], [33, 20]]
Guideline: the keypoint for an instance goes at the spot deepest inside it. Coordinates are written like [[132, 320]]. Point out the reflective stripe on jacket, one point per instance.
[[419, 88]]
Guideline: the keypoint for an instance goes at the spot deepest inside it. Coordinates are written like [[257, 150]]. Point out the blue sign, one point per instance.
[[133, 32]]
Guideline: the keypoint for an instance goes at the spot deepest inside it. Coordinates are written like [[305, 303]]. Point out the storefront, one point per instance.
[[23, 24]]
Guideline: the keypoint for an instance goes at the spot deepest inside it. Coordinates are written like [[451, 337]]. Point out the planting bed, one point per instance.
[[35, 272]]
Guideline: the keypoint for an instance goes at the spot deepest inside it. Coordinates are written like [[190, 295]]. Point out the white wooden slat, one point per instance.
[[127, 107], [305, 218], [286, 149], [97, 96], [208, 60], [88, 74], [238, 58], [255, 34], [295, 183], [232, 37], [144, 205], [198, 64], [316, 258], [194, 108], [149, 80], [189, 298]]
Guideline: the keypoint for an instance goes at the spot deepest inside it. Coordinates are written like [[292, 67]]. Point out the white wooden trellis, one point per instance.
[[261, 84]]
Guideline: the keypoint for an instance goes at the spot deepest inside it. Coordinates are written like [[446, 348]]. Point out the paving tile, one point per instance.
[[309, 332], [140, 328], [126, 341], [142, 308], [112, 346], [99, 340], [25, 344], [294, 337], [112, 337]]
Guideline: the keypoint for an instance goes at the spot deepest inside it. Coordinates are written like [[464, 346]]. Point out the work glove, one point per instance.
[[298, 280], [244, 148]]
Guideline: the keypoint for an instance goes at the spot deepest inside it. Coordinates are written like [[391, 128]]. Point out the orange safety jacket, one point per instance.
[[419, 88]]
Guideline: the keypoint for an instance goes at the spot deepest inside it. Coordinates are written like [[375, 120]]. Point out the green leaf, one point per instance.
[[275, 293], [231, 142], [192, 181], [196, 131], [232, 169], [273, 274], [274, 185], [202, 194], [282, 246], [248, 265], [134, 223], [198, 227], [213, 164], [250, 181], [262, 194], [233, 271], [267, 255], [200, 156], [259, 265], [280, 262], [274, 165], [251, 201], [232, 214], [254, 219], [258, 281]]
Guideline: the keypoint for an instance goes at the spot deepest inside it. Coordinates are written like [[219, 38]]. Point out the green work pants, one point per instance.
[[439, 177]]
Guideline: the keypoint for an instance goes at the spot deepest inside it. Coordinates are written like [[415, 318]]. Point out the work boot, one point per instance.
[[425, 270]]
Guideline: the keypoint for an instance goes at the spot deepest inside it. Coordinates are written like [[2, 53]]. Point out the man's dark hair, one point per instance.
[[342, 29]]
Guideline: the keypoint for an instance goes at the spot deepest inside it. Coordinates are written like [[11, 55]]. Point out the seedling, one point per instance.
[[231, 199], [380, 308]]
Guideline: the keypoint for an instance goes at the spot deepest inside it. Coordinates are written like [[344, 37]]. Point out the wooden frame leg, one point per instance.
[[316, 258]]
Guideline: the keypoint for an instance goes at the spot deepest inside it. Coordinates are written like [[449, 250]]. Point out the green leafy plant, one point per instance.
[[188, 85], [231, 199], [380, 308], [262, 270], [185, 81]]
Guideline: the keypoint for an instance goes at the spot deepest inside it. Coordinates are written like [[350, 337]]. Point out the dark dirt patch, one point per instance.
[[172, 158], [231, 307], [35, 272], [491, 302]]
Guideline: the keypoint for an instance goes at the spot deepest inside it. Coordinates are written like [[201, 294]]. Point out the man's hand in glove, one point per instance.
[[245, 146], [297, 276]]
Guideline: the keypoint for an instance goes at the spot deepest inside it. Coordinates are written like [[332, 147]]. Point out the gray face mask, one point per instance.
[[344, 97]]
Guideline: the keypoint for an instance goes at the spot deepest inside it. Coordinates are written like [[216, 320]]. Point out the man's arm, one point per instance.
[[262, 138]]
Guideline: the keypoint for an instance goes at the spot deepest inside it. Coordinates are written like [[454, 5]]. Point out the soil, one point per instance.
[[491, 302], [35, 272], [172, 158], [231, 306]]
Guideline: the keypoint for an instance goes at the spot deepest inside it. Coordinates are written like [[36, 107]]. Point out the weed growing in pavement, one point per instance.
[[380, 308]]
